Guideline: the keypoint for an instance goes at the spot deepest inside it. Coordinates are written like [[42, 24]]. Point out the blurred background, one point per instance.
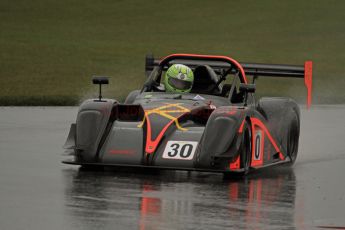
[[50, 49]]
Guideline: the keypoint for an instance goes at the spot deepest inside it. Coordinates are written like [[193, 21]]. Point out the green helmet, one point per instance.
[[178, 79]]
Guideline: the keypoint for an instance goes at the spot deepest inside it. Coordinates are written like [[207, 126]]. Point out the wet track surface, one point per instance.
[[38, 192]]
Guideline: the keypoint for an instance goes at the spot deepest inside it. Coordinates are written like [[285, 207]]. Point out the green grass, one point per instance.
[[50, 49]]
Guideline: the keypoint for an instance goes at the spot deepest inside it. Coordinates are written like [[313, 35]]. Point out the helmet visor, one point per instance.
[[179, 84]]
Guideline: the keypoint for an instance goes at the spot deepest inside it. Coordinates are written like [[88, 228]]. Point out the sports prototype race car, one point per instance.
[[218, 126]]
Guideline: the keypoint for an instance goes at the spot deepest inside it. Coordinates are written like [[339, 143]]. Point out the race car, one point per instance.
[[219, 126]]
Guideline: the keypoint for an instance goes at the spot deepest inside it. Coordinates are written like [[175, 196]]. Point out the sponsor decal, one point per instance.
[[122, 151]]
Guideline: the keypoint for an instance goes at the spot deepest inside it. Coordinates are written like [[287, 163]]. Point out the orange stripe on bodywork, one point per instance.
[[151, 145], [235, 164], [240, 130], [163, 111], [257, 122]]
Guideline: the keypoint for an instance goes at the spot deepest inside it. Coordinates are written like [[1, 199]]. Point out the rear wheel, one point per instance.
[[292, 141]]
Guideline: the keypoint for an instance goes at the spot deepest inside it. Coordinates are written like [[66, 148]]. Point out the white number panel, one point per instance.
[[180, 150], [258, 146]]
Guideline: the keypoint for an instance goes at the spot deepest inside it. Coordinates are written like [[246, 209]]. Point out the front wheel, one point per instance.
[[245, 152], [246, 148]]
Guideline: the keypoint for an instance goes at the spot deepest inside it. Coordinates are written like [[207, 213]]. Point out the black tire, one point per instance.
[[245, 153], [293, 139], [246, 148]]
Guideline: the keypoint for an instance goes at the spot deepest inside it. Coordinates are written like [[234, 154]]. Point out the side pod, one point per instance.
[[92, 120], [219, 134]]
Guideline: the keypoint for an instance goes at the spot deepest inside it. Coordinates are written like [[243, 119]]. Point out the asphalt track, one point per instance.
[[38, 192]]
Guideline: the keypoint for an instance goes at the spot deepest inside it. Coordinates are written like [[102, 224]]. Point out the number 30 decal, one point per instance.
[[180, 150]]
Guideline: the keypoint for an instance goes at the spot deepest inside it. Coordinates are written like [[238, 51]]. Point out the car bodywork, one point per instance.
[[214, 128]]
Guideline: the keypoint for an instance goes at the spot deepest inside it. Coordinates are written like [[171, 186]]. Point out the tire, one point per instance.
[[246, 148], [245, 153], [293, 139]]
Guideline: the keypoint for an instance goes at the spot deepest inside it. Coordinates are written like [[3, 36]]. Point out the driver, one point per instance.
[[178, 79]]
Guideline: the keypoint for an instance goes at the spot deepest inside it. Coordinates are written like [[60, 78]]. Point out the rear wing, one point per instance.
[[288, 71], [252, 69]]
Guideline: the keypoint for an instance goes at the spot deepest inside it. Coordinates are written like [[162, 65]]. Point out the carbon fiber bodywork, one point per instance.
[[108, 133], [218, 132]]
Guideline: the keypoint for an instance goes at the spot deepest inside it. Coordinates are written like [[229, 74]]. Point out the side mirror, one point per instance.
[[247, 88], [100, 81]]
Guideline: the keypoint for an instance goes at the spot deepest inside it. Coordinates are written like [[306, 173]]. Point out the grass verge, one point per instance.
[[50, 49]]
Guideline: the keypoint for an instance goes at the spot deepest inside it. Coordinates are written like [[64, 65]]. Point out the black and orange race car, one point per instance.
[[219, 126]]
